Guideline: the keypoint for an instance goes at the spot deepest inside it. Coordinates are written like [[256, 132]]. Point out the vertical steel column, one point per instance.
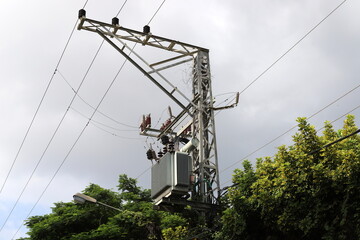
[[205, 162]]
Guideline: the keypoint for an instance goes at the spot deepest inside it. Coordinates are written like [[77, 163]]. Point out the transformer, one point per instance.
[[171, 176]]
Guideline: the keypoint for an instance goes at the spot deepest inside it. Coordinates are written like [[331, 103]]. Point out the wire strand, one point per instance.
[[100, 123], [114, 134], [267, 69], [292, 47], [95, 110], [145, 171], [156, 12], [52, 137], [311, 116], [337, 119], [121, 8], [92, 107], [40, 104], [77, 139]]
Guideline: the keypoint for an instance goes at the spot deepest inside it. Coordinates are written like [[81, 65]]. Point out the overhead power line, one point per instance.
[[94, 112], [92, 107], [32, 121], [40, 104], [336, 100], [334, 142], [52, 138], [337, 119], [121, 8], [96, 124], [292, 128], [292, 47], [313, 152], [71, 149], [102, 124], [156, 12]]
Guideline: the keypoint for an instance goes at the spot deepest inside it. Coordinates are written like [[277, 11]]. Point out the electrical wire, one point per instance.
[[356, 132], [92, 107], [336, 141], [222, 94], [165, 109], [76, 141], [227, 99], [114, 134], [96, 123], [40, 104], [121, 8], [311, 116], [337, 119], [32, 121], [267, 69], [145, 171], [156, 12], [52, 137], [342, 96], [161, 115], [94, 112], [292, 47], [100, 123], [85, 4]]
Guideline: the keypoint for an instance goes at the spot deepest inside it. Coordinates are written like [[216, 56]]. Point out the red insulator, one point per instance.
[[148, 121]]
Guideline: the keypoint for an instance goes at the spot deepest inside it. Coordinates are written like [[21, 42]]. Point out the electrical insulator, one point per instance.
[[171, 147], [165, 150], [150, 154], [148, 121], [184, 140], [165, 125], [82, 13], [146, 29], [154, 154], [115, 21], [160, 154], [164, 139]]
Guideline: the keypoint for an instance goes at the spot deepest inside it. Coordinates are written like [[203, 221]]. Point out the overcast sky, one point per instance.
[[244, 38]]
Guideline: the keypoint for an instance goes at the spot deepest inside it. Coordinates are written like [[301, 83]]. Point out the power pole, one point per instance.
[[194, 183]]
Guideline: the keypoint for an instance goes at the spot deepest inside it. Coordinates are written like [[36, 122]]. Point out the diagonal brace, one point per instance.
[[143, 71]]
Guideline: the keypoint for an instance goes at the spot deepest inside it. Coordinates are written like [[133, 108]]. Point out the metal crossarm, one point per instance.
[[140, 37]]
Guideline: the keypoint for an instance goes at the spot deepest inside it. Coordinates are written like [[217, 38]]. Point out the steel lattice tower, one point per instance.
[[205, 189], [205, 162]]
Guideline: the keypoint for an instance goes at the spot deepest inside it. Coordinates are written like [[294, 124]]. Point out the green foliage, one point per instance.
[[130, 191], [300, 193], [172, 220], [178, 233], [137, 220]]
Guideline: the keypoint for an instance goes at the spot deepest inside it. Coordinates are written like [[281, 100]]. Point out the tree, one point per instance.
[[300, 193], [137, 220]]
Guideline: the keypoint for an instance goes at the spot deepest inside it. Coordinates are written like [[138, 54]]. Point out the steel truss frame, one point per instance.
[[206, 186]]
